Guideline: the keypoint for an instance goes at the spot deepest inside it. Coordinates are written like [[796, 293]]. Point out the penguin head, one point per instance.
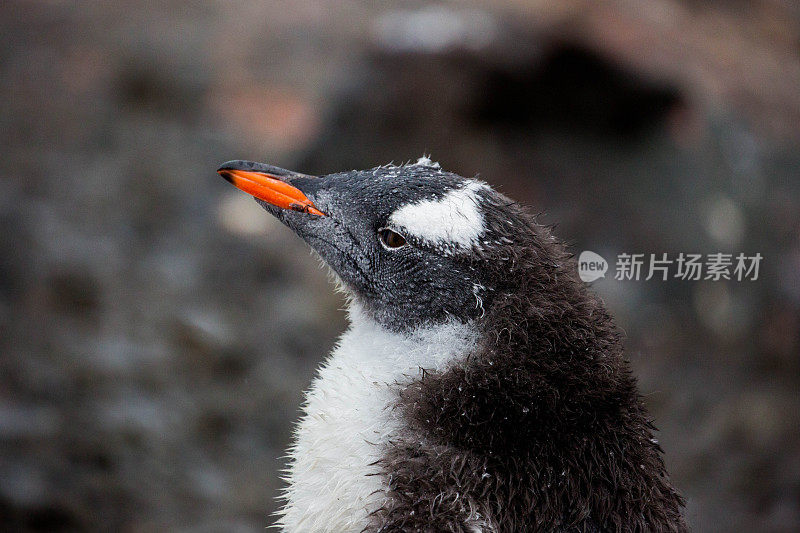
[[412, 245]]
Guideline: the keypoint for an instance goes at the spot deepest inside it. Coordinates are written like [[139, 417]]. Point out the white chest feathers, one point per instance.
[[333, 483]]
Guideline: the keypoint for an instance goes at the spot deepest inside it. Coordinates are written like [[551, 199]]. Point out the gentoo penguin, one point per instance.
[[479, 388]]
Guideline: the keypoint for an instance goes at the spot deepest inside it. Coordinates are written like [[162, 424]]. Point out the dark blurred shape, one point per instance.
[[55, 518], [508, 94], [12, 256], [155, 86], [73, 293], [573, 88]]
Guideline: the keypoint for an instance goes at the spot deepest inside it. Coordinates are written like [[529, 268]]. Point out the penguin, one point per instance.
[[480, 387]]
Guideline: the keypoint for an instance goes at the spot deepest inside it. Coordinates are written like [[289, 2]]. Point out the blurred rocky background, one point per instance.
[[157, 328]]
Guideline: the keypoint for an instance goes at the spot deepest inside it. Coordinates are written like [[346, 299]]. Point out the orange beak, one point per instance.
[[270, 189]]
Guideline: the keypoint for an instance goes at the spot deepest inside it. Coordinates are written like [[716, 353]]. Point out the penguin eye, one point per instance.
[[391, 239]]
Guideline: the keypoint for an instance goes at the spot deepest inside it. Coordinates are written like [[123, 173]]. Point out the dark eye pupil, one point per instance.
[[392, 239]]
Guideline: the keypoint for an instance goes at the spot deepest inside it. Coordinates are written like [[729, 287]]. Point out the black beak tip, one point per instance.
[[236, 164], [252, 166]]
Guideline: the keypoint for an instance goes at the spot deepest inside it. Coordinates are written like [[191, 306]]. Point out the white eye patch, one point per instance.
[[455, 219]]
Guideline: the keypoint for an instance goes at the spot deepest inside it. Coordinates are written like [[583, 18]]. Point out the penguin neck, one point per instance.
[[403, 354]]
